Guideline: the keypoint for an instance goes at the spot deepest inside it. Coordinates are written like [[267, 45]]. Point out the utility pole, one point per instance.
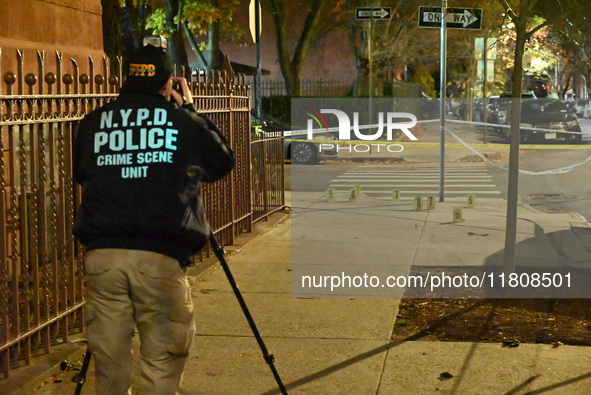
[[442, 99], [484, 90]]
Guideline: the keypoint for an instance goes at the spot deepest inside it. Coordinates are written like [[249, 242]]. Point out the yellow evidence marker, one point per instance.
[[330, 195], [353, 194], [458, 215], [431, 202], [471, 201], [418, 200]]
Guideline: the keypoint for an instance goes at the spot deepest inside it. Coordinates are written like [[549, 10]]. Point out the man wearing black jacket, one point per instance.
[[140, 160]]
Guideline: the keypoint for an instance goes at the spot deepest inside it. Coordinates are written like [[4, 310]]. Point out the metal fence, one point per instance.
[[309, 87], [41, 266]]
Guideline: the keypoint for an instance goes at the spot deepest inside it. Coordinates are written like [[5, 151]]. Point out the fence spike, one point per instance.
[[41, 64], [20, 56], [76, 75], [91, 73], [59, 61]]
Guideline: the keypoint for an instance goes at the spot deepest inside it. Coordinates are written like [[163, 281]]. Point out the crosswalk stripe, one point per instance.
[[432, 191], [447, 185], [421, 179], [406, 179]]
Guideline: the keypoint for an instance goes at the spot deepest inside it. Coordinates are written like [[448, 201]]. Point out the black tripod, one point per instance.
[[269, 358], [80, 378]]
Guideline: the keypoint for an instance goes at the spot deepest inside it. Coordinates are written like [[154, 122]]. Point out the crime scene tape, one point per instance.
[[561, 170], [461, 144], [447, 145], [302, 132]]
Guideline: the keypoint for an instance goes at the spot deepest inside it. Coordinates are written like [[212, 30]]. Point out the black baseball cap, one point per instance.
[[149, 69]]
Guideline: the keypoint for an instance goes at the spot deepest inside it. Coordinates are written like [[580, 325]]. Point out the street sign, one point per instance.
[[455, 18], [252, 20], [381, 13]]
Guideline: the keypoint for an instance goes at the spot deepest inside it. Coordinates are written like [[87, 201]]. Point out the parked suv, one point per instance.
[[551, 115]]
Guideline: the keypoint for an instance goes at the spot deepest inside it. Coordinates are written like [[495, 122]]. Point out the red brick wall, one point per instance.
[[73, 27], [329, 58]]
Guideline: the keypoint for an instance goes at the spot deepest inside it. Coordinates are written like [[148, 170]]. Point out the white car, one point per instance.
[[582, 108]]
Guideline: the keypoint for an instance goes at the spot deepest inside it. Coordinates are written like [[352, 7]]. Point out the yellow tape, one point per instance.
[[447, 145]]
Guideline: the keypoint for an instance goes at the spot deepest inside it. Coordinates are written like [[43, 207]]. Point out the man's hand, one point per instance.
[[181, 98]]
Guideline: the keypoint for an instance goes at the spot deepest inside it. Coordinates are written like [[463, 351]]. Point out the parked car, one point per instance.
[[497, 103], [303, 152], [296, 148], [580, 106], [524, 95], [549, 114], [493, 108]]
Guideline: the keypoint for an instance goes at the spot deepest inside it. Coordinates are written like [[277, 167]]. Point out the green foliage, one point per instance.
[[198, 15], [157, 22], [423, 78]]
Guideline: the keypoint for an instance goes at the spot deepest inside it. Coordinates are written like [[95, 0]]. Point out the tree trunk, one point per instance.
[[215, 61], [515, 137], [136, 15], [361, 79], [176, 45], [291, 68], [112, 31]]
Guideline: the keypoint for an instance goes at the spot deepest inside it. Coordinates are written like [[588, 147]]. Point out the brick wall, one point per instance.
[[73, 27]]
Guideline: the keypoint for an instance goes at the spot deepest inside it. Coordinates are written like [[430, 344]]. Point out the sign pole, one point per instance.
[[484, 90], [442, 100], [258, 90]]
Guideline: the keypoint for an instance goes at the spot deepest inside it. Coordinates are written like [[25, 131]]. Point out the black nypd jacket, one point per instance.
[[141, 160]]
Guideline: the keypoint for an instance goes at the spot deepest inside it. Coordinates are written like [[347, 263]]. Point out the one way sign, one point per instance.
[[373, 13], [455, 18]]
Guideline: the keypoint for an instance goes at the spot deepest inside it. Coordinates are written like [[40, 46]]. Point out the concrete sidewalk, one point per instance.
[[342, 345]]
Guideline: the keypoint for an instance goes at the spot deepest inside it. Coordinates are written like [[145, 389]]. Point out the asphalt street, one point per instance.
[[415, 171]]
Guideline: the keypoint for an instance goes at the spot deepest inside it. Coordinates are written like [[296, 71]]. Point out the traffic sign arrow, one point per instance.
[[466, 18], [381, 13]]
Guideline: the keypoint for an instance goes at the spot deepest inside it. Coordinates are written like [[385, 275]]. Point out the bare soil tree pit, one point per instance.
[[427, 315]]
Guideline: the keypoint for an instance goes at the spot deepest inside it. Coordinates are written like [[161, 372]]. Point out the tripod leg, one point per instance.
[[219, 252], [80, 378]]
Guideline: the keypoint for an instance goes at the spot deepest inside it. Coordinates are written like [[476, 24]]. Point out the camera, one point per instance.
[[157, 41], [177, 87]]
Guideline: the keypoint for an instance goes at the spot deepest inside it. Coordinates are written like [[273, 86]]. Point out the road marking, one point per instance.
[[412, 180]]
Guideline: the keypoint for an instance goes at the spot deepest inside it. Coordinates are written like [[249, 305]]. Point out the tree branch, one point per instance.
[[509, 10], [278, 14], [529, 34]]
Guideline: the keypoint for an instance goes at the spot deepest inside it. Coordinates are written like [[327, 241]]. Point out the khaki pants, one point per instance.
[[128, 288]]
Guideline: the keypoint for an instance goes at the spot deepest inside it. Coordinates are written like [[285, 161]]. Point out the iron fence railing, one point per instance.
[[41, 266], [309, 87]]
